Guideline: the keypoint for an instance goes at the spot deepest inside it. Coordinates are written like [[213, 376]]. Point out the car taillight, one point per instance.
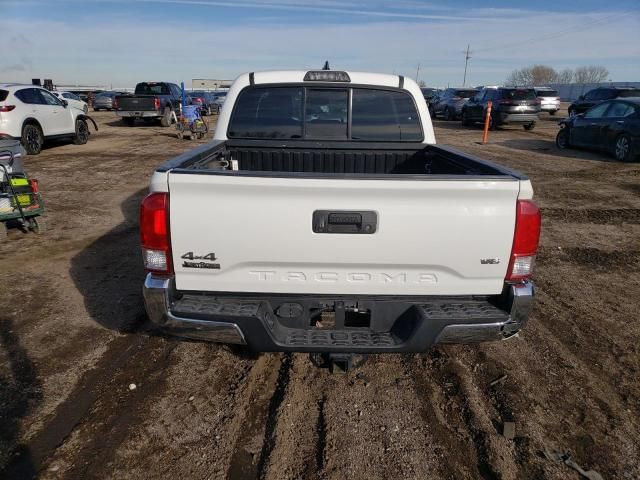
[[6, 108], [154, 233], [525, 241], [156, 103]]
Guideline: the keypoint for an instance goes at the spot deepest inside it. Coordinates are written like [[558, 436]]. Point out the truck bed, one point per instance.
[[333, 159]]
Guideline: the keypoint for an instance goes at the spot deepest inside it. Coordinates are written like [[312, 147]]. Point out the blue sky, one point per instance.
[[120, 42]]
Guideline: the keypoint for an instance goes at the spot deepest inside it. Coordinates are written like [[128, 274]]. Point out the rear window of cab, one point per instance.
[[3, 95], [323, 113]]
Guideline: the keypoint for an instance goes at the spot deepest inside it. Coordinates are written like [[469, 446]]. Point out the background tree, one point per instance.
[[565, 76], [590, 74], [534, 75]]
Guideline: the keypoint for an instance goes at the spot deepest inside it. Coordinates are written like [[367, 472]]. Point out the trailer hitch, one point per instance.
[[338, 362]]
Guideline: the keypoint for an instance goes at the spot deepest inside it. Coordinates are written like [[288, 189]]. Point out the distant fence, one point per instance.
[[571, 91]]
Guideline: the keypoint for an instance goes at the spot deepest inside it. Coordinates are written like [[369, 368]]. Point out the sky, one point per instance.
[[117, 43]]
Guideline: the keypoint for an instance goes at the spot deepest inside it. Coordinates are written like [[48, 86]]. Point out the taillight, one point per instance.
[[154, 233], [525, 241], [156, 103], [6, 108]]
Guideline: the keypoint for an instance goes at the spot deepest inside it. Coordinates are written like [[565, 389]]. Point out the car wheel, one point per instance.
[[562, 139], [552, 112], [129, 121], [448, 115], [623, 148], [529, 126], [571, 112], [32, 139], [96, 109], [492, 123], [82, 132], [165, 121], [465, 119]]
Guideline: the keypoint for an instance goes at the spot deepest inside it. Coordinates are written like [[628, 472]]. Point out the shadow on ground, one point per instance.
[[109, 273], [548, 147], [20, 392]]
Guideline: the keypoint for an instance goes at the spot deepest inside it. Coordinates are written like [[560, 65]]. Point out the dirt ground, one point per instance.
[[73, 342]]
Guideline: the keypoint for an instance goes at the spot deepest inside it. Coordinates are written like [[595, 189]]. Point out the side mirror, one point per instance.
[[581, 97], [64, 103]]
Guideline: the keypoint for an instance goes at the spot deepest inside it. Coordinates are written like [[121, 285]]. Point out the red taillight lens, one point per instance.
[[525, 241], [6, 108], [154, 233], [156, 103]]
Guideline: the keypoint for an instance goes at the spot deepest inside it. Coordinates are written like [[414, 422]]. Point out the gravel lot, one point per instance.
[[86, 391]]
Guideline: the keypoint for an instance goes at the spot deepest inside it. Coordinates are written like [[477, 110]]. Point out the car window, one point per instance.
[[629, 93], [518, 94], [597, 111], [3, 95], [67, 95], [546, 93], [620, 109], [151, 89], [30, 96], [267, 112], [384, 115], [464, 93], [326, 113], [592, 95], [606, 94], [48, 98]]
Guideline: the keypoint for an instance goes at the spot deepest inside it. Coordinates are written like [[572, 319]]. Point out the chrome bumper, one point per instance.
[[138, 114], [160, 292], [157, 292]]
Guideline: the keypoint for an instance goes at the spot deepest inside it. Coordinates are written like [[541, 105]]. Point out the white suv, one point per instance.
[[73, 100], [32, 114]]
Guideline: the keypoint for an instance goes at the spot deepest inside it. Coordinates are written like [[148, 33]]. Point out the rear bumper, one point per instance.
[[550, 107], [138, 114], [518, 117], [268, 323]]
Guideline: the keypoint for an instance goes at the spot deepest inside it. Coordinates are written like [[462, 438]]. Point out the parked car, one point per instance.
[[205, 100], [549, 99], [73, 100], [306, 241], [220, 97], [33, 115], [450, 102], [599, 95], [104, 100], [509, 105], [150, 100], [612, 126], [428, 93]]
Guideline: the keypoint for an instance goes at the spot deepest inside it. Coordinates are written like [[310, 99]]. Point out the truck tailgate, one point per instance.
[[242, 233], [137, 102]]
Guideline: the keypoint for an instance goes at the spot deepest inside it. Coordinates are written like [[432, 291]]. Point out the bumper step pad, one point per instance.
[[463, 311]]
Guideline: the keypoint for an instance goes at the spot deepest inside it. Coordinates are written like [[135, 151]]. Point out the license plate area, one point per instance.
[[364, 222]]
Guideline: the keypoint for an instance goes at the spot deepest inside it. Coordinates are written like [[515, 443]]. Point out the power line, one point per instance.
[[560, 33]]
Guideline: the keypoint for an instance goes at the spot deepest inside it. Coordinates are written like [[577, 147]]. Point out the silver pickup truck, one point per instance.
[[323, 218]]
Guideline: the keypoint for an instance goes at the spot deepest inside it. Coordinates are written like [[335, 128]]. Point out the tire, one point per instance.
[[82, 132], [32, 139], [571, 112], [448, 115], [432, 113], [465, 119], [129, 121], [529, 126], [96, 109], [492, 123], [37, 226], [622, 148], [562, 139], [552, 112], [165, 121]]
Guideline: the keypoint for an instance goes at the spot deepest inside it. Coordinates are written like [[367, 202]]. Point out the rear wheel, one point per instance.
[[32, 139], [129, 121], [465, 119], [165, 121], [529, 126], [82, 132], [36, 226], [622, 150], [96, 109], [448, 114], [552, 112], [562, 139]]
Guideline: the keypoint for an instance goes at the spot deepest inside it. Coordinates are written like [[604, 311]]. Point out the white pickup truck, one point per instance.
[[324, 218]]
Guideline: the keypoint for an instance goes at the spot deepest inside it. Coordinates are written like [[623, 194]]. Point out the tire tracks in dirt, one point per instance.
[[98, 386]]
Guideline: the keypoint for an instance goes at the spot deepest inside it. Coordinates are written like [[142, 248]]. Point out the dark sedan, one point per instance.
[[599, 95], [612, 126]]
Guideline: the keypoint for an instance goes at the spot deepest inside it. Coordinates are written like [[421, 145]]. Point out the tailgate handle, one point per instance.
[[353, 222]]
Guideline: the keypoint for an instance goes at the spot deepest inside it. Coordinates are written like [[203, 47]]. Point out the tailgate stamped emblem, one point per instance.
[[210, 257], [489, 261]]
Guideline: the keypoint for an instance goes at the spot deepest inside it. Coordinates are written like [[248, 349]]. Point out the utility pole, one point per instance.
[[467, 56], [417, 73]]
